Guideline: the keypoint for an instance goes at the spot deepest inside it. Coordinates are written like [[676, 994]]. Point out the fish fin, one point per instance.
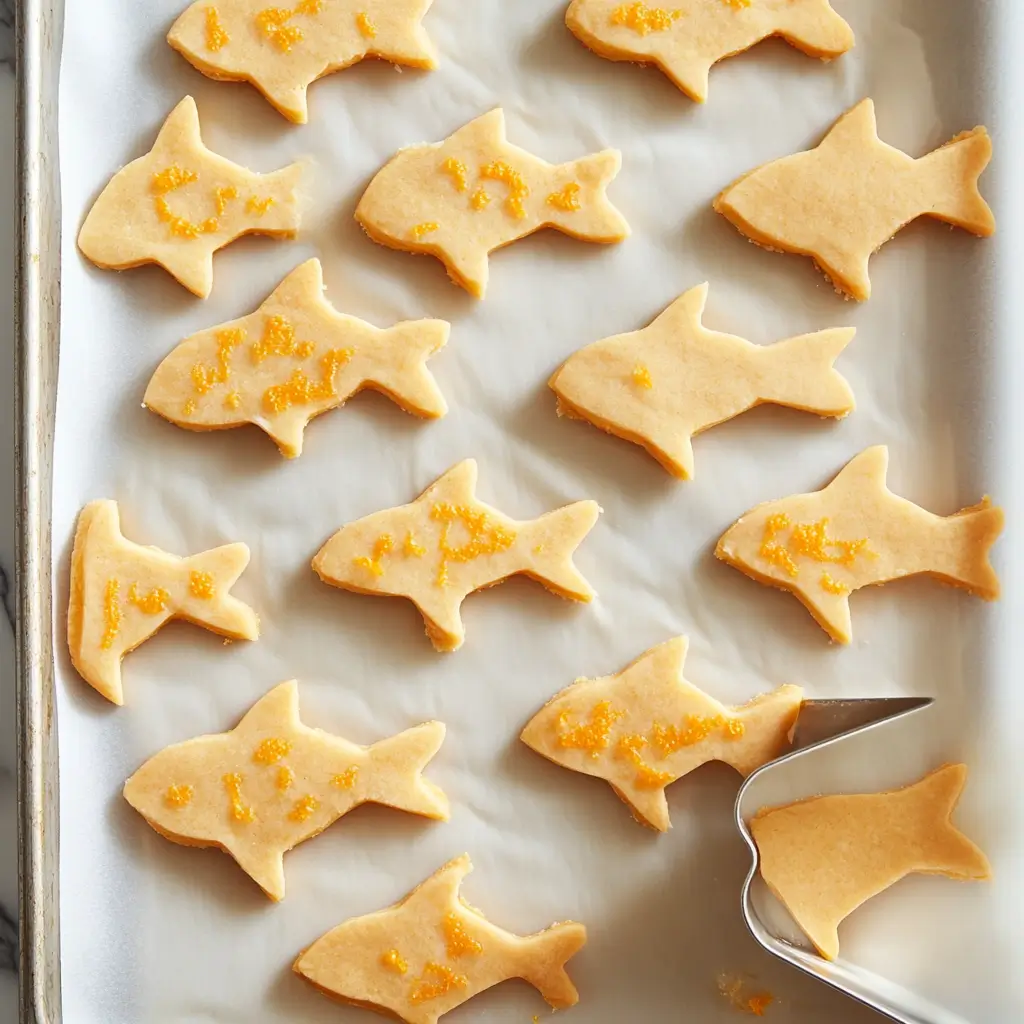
[[597, 220], [544, 956], [287, 430], [222, 613], [195, 274], [443, 885], [481, 131], [442, 619], [296, 286], [263, 865], [767, 721], [286, 98], [953, 171], [971, 532], [276, 709], [457, 485], [408, 753], [673, 449], [409, 383], [469, 268], [868, 469], [952, 853], [181, 128], [409, 44], [814, 28], [853, 128], [803, 376], [830, 611], [649, 805], [557, 535]]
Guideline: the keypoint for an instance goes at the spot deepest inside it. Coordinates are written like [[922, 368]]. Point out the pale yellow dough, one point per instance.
[[291, 360], [825, 856], [122, 593], [855, 533], [446, 544], [462, 198], [283, 49], [431, 952], [271, 783], [659, 386], [686, 37], [645, 727], [841, 202], [180, 203]]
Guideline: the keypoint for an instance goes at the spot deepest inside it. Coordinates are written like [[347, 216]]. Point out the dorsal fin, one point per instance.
[[308, 276], [482, 130], [866, 469], [665, 661], [181, 126], [275, 710], [856, 125], [442, 887], [458, 485], [687, 311]]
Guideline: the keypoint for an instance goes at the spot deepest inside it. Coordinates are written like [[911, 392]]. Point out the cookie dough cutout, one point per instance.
[[122, 593], [686, 37], [841, 202], [432, 951], [446, 544], [282, 50], [462, 198], [645, 727], [823, 857], [855, 533], [659, 386], [271, 783], [292, 359], [180, 203]]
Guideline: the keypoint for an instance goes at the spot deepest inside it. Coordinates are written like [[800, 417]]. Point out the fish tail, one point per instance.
[[767, 722], [395, 778], [803, 376], [408, 381], [551, 542], [944, 848], [545, 956], [211, 575], [953, 171], [585, 211], [964, 544]]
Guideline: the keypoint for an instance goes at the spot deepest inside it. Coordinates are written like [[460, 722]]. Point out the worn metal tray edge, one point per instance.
[[38, 28]]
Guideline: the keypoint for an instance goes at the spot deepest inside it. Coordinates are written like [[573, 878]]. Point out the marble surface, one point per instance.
[[8, 821]]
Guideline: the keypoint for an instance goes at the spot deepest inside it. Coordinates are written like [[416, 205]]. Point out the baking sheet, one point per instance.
[[156, 932]]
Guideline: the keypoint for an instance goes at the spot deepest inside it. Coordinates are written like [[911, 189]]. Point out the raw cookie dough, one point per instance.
[[686, 37], [281, 50], [825, 856], [271, 783], [432, 951], [824, 545], [661, 385], [446, 544], [122, 593], [841, 202], [646, 726], [462, 198], [291, 360], [180, 203]]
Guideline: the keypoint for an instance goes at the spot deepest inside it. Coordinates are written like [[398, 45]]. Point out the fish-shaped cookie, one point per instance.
[[180, 203], [661, 385], [122, 593], [446, 544], [825, 856], [282, 50], [646, 726], [432, 951], [844, 200], [271, 783], [824, 545], [291, 360], [686, 37], [462, 198]]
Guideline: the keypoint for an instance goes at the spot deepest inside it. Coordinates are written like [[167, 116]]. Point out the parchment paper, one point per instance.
[[158, 933]]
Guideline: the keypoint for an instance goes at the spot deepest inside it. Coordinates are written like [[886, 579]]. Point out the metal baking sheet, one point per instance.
[[150, 931]]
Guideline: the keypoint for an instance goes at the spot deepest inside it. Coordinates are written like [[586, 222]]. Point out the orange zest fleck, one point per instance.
[[216, 35], [736, 5], [458, 942], [171, 178], [485, 537], [178, 796], [641, 377], [424, 229], [111, 613], [437, 980], [771, 550], [365, 25], [239, 811], [181, 226], [811, 540], [273, 23], [285, 777], [394, 961], [347, 778], [667, 739], [513, 181], [833, 586], [629, 747], [223, 195], [480, 199], [382, 546], [200, 584], [232, 400], [457, 169], [259, 206], [595, 735], [304, 808], [300, 390], [152, 603], [271, 750], [643, 19], [757, 1004], [278, 339], [411, 549], [566, 198], [206, 377]]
